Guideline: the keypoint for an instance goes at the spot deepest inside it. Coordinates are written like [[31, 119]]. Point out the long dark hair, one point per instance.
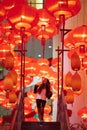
[[45, 85]]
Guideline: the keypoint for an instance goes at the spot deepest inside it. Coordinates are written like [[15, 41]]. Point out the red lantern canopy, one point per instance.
[[68, 8], [23, 15]]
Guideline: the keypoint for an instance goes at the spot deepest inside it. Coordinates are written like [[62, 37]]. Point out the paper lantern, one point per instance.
[[70, 96], [42, 61], [67, 8], [80, 35], [8, 83], [31, 96], [32, 69], [1, 120], [83, 113], [9, 61], [45, 27], [76, 82], [12, 97], [47, 109], [76, 50], [4, 50], [2, 12], [84, 63], [13, 75], [2, 99], [68, 77], [8, 4], [47, 118], [55, 62], [47, 33], [77, 38], [32, 119], [23, 15], [75, 62]]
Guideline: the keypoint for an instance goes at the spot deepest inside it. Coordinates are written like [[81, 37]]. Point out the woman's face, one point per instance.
[[44, 80]]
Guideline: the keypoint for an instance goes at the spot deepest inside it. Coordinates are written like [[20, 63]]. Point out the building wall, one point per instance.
[[81, 100]]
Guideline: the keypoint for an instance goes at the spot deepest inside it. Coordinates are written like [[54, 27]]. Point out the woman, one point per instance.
[[44, 92]]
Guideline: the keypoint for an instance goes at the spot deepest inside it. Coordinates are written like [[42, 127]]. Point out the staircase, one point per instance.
[[40, 126]]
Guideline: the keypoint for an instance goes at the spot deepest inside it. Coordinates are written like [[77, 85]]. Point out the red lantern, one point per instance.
[[75, 62], [1, 120], [4, 50], [84, 63], [76, 82], [31, 96], [8, 4], [83, 113], [2, 12], [77, 38], [67, 8], [55, 63], [9, 61], [8, 83], [43, 61], [45, 27], [12, 97], [69, 96], [68, 78], [47, 118], [13, 75], [23, 15]]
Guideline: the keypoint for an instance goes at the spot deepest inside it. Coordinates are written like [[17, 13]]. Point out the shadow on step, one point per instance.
[[41, 126]]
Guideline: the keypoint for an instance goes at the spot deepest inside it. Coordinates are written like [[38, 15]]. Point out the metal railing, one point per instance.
[[18, 115]]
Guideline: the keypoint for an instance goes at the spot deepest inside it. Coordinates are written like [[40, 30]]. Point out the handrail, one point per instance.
[[62, 113], [16, 121]]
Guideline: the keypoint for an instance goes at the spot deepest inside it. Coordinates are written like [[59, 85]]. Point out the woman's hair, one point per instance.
[[44, 85]]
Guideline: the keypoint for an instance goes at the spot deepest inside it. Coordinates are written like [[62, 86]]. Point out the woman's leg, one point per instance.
[[39, 104], [42, 109]]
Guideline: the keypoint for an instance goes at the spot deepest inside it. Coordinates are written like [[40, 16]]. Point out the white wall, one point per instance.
[[79, 101]]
